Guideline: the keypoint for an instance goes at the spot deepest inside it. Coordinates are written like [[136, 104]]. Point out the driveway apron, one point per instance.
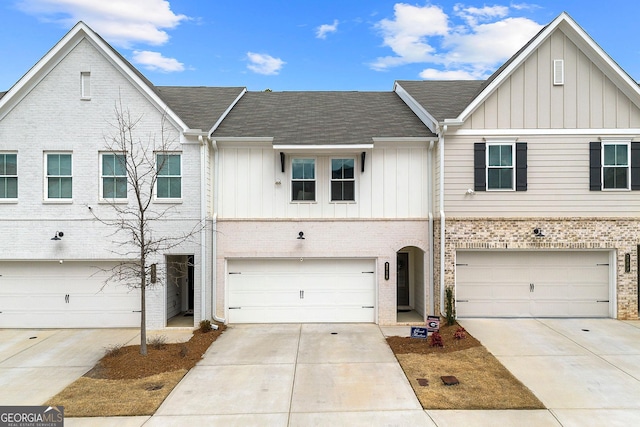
[[295, 375]]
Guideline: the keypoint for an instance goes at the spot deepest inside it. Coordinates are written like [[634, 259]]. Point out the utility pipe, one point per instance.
[[442, 215], [214, 237]]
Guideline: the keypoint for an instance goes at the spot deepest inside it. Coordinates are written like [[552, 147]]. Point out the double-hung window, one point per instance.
[[169, 180], [113, 173], [500, 166], [303, 180], [59, 176], [615, 166], [8, 176], [342, 180]]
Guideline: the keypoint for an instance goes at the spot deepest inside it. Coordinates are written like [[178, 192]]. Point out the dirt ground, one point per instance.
[[484, 383]]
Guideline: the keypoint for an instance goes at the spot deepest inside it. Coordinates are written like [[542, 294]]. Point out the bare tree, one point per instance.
[[139, 161]]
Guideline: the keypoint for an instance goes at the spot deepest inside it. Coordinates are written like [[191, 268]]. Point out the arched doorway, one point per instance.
[[411, 285]]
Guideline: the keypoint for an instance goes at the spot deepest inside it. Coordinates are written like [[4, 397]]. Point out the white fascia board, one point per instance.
[[227, 111], [290, 148], [484, 133], [422, 114]]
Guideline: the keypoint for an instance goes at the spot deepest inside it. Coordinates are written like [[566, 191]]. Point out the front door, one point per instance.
[[402, 278]]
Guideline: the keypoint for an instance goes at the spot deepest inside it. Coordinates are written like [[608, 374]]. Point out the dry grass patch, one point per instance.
[[125, 383], [484, 382]]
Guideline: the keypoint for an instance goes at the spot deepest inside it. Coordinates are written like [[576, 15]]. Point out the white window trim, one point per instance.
[[355, 168], [85, 85], [626, 142], [157, 199], [46, 179], [315, 179], [512, 167], [12, 199], [101, 181]]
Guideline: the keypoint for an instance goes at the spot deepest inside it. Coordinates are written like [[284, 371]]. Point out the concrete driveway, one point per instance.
[[295, 375]]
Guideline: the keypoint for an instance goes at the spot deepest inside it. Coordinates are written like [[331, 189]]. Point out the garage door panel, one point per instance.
[[533, 284], [288, 290], [68, 295]]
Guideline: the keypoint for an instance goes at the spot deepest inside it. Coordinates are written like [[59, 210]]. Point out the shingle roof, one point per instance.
[[200, 107], [443, 99], [321, 117]]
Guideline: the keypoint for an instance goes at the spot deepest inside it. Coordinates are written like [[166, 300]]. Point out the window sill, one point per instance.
[[304, 201], [57, 201], [113, 201], [8, 201], [617, 190], [343, 202], [168, 201]]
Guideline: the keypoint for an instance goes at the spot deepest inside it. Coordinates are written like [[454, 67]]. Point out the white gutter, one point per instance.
[[442, 215], [214, 237]]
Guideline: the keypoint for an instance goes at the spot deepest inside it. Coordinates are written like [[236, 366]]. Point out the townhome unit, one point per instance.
[[518, 192], [537, 178], [59, 183]]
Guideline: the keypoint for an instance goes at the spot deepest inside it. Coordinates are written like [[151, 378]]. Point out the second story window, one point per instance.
[[615, 166], [500, 167], [8, 176], [342, 180], [113, 173], [59, 176], [169, 183], [303, 180]]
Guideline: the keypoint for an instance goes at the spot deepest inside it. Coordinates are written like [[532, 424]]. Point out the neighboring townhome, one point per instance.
[[322, 202], [60, 181], [539, 172]]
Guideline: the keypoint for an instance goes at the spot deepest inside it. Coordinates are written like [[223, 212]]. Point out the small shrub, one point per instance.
[[113, 350], [184, 350], [460, 334], [435, 340], [157, 342], [449, 306], [205, 325]]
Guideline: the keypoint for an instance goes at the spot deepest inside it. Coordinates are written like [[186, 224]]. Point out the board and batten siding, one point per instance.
[[557, 183], [393, 184], [528, 99]]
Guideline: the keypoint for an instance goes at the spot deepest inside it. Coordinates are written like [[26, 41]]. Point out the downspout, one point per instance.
[[203, 231], [432, 300], [214, 237], [442, 215]]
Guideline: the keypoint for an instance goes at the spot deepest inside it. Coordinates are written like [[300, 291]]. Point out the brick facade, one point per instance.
[[619, 235]]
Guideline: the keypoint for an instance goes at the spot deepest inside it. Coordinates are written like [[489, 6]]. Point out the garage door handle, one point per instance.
[[367, 306], [301, 294], [235, 308], [532, 287], [462, 300], [603, 300], [66, 298]]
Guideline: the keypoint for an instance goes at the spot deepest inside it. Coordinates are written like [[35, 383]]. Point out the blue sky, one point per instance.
[[308, 44]]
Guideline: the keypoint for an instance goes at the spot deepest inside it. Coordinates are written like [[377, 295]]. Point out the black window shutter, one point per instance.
[[479, 166], [521, 166], [595, 166], [635, 165]]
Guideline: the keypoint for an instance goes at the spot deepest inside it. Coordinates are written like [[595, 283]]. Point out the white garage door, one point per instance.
[[68, 295], [295, 291], [532, 284]]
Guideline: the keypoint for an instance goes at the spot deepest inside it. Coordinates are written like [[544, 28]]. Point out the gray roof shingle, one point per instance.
[[199, 107], [443, 99], [310, 118]]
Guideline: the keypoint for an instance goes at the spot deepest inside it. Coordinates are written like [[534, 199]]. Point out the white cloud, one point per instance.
[[155, 61], [469, 43], [262, 63], [407, 34], [121, 22], [433, 74], [324, 29]]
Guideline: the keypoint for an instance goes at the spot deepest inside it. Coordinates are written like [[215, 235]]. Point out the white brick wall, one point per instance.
[[376, 239], [52, 117]]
